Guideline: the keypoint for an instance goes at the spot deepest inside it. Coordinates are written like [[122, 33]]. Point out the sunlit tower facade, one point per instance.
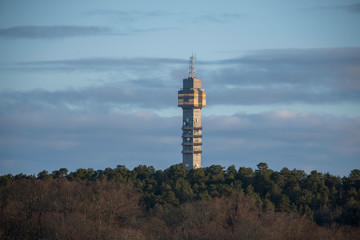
[[191, 98]]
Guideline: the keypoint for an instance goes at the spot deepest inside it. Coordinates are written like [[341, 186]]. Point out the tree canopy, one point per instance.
[[321, 198]]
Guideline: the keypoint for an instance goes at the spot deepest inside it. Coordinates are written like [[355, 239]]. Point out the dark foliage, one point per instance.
[[206, 203]]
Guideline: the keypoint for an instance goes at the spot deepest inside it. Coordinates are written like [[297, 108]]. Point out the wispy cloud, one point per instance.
[[296, 56], [212, 17], [142, 30], [125, 16], [134, 16], [218, 17], [99, 64], [49, 32], [354, 8], [61, 31]]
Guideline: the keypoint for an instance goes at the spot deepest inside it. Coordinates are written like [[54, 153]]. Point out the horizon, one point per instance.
[[224, 169], [85, 84]]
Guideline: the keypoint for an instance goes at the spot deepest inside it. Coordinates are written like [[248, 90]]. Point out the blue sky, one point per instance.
[[90, 84]]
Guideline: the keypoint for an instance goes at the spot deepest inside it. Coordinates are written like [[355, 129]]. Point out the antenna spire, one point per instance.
[[192, 66]]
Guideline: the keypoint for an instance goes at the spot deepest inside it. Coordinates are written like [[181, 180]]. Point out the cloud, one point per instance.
[[283, 138], [135, 16], [50, 32], [266, 77], [33, 140], [103, 98], [100, 63], [50, 139], [125, 16], [217, 17], [143, 30], [286, 76], [211, 17], [268, 96], [61, 31], [354, 8], [106, 125], [297, 56]]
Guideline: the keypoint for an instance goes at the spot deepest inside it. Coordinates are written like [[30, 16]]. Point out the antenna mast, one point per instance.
[[192, 67]]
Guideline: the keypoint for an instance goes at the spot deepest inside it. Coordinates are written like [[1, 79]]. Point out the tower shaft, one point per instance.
[[192, 137]]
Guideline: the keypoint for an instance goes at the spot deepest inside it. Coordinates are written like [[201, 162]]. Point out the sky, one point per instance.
[[93, 84]]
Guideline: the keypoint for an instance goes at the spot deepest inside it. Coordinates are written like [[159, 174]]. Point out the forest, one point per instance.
[[175, 203]]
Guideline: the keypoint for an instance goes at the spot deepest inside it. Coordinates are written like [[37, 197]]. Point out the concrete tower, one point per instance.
[[192, 98]]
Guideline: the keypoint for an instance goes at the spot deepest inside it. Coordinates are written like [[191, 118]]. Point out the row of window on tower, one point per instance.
[[196, 132], [187, 121], [188, 140], [192, 148]]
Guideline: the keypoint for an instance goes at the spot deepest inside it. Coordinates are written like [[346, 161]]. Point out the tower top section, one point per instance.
[[192, 66], [192, 96]]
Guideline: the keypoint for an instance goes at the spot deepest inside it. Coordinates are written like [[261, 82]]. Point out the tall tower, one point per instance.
[[192, 98]]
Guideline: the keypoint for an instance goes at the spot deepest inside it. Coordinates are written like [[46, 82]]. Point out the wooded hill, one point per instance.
[[206, 203]]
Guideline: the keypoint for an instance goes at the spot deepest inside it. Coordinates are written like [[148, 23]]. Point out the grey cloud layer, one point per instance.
[[108, 98], [354, 8], [34, 140], [312, 76], [49, 139], [101, 63], [288, 76], [300, 139], [49, 32], [90, 99], [52, 32]]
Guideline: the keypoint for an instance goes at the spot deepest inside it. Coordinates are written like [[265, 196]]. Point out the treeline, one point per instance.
[[206, 203]]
